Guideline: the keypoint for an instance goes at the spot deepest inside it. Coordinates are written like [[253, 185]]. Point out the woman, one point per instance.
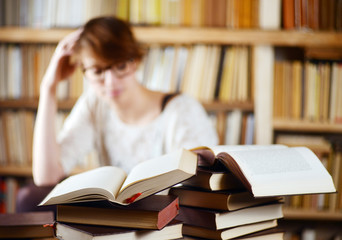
[[123, 121]]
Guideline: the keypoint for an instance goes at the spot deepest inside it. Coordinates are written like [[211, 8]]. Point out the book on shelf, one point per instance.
[[271, 170], [213, 180], [81, 231], [153, 212], [26, 225], [216, 220], [219, 200], [228, 233], [113, 184]]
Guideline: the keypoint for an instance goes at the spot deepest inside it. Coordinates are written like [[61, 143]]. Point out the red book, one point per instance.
[[153, 212]]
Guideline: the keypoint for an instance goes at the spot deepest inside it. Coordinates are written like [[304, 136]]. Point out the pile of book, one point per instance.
[[106, 203], [150, 218], [238, 191], [212, 207]]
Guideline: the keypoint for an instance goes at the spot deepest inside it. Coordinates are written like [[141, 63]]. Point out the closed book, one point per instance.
[[153, 212], [93, 232], [214, 180], [219, 200], [228, 233], [216, 220], [26, 225]]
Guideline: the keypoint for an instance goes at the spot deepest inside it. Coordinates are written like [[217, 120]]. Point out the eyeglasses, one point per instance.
[[97, 74]]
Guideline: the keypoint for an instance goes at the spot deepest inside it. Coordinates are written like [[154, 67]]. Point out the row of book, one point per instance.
[[22, 68], [331, 156], [308, 91], [206, 72], [314, 14]]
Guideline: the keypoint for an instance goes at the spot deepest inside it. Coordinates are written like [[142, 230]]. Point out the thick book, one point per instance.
[[228, 233], [271, 170], [219, 200], [214, 180], [26, 225], [216, 220], [153, 212], [113, 184], [93, 232]]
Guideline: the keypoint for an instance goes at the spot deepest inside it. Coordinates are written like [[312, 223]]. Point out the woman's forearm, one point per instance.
[[47, 168]]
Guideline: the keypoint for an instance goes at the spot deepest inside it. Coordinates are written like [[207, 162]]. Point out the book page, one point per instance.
[[230, 148], [108, 178], [283, 171], [154, 167]]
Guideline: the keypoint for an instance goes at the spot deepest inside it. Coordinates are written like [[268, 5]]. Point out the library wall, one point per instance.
[[267, 71]]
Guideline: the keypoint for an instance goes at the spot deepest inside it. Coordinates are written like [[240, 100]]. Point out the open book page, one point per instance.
[[104, 180], [230, 148], [159, 166], [283, 171]]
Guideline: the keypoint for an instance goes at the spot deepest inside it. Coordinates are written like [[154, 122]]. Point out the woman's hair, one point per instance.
[[110, 39]]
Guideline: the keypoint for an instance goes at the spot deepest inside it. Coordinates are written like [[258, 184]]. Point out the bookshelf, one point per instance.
[[257, 39]]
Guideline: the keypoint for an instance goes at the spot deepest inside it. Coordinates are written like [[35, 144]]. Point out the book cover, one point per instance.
[[153, 212], [113, 184]]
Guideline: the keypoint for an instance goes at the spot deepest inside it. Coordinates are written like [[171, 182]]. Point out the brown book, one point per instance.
[[313, 14], [26, 225], [271, 170], [217, 220], [81, 231], [219, 200], [153, 212], [288, 14], [113, 184], [228, 233], [213, 180]]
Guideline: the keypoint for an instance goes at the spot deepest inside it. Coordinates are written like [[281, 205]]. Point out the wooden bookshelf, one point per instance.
[[184, 35], [305, 126]]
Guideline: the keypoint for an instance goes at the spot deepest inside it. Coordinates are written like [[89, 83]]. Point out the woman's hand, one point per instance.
[[61, 67]]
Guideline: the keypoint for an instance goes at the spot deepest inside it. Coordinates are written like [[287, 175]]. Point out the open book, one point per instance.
[[273, 170], [113, 184]]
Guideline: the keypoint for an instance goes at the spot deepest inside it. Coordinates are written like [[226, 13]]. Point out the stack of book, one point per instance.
[[106, 203], [238, 190]]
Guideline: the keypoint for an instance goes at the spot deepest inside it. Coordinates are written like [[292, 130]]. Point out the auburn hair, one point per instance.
[[110, 39]]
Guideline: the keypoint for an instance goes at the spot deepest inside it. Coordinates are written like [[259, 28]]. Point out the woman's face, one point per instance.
[[111, 82]]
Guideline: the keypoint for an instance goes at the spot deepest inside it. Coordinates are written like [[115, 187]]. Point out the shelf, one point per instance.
[[68, 104], [298, 214], [185, 35], [305, 126]]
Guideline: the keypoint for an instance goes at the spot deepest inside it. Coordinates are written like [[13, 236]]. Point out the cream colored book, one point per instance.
[[113, 184]]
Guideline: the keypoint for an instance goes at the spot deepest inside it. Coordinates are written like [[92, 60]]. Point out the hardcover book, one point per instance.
[[153, 212], [92, 232]]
